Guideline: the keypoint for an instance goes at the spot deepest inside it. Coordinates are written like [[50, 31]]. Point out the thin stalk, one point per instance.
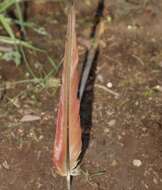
[[20, 17]]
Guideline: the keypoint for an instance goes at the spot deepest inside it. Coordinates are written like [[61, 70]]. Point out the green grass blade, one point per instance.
[[51, 61], [7, 4], [8, 40], [6, 24], [20, 17]]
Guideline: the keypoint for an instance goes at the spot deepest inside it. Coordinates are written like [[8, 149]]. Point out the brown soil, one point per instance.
[[126, 130]]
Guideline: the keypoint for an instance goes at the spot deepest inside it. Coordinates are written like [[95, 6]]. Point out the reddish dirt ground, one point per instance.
[[125, 142]]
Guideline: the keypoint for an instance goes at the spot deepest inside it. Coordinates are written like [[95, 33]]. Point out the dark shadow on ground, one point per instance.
[[88, 95]]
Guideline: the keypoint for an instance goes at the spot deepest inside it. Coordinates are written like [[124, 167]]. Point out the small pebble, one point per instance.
[[136, 103], [123, 133], [41, 137], [155, 181], [137, 163], [109, 85], [144, 129], [114, 163], [27, 75], [100, 78], [130, 27], [153, 39], [146, 186], [109, 18], [29, 118], [6, 165], [158, 88], [119, 137], [112, 122], [150, 98], [106, 130]]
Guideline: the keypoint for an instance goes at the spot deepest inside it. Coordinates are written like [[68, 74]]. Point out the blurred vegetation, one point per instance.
[[14, 40], [12, 31]]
